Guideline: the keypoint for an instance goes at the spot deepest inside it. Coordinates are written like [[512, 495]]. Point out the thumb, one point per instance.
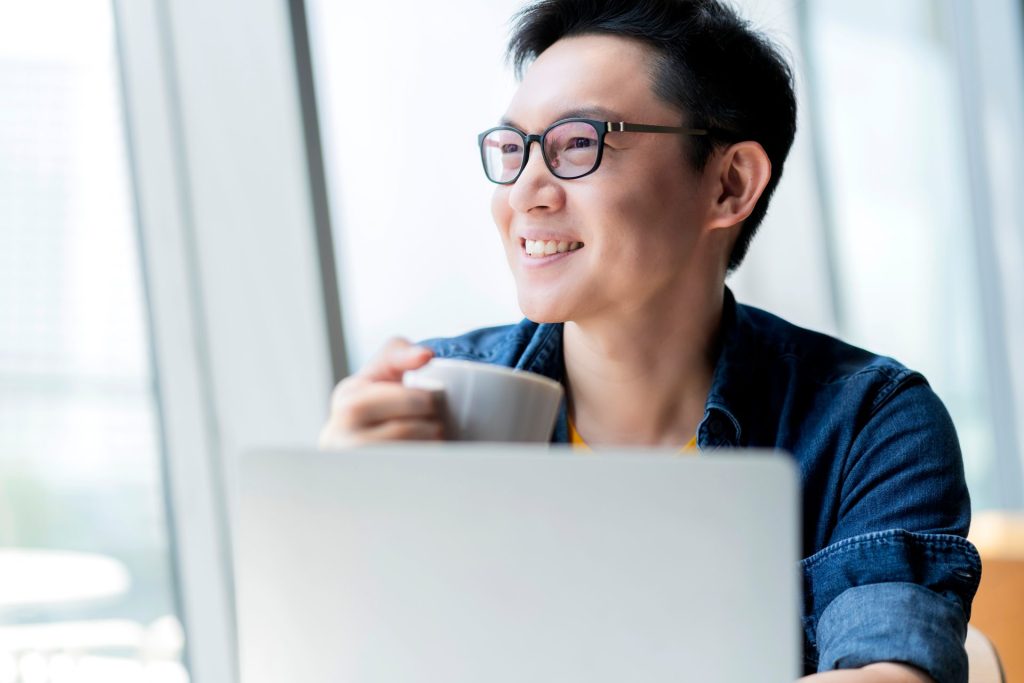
[[397, 356]]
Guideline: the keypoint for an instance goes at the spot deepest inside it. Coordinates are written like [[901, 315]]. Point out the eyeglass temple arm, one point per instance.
[[621, 127]]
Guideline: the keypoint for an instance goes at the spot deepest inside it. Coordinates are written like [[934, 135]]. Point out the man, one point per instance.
[[632, 168]]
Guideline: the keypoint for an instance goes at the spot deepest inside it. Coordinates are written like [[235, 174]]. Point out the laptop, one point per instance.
[[487, 563]]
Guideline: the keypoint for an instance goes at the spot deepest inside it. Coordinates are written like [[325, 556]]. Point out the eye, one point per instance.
[[511, 148], [581, 143]]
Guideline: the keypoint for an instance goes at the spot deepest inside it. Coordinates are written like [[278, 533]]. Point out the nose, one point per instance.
[[536, 188]]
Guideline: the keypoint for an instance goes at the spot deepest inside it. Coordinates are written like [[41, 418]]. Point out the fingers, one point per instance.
[[392, 430], [397, 356], [372, 405], [362, 404], [407, 430]]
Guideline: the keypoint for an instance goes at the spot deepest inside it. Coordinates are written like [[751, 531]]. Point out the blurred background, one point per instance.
[[206, 221]]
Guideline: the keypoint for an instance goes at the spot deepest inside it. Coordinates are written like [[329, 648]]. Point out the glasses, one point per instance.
[[572, 148]]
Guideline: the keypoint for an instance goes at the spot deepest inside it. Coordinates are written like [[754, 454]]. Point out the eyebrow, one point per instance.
[[580, 113]]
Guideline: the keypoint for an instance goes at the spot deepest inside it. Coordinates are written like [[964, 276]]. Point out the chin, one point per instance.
[[540, 311]]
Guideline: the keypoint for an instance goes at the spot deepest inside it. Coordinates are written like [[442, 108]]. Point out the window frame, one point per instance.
[[246, 339]]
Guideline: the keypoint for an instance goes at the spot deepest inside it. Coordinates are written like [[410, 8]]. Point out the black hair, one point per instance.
[[719, 72]]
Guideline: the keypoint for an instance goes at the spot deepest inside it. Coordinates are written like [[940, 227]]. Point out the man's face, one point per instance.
[[637, 216]]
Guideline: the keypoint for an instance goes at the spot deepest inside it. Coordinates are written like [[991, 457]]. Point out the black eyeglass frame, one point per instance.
[[601, 127]]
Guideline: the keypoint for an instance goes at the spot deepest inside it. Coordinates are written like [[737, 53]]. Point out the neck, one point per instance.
[[642, 376]]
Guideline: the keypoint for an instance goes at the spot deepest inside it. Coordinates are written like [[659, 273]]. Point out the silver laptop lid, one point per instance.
[[470, 563]]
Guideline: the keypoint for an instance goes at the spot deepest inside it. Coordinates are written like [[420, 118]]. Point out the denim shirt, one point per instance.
[[887, 572]]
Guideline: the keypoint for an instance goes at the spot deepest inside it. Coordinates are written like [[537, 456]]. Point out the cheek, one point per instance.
[[501, 212], [664, 205], [644, 231]]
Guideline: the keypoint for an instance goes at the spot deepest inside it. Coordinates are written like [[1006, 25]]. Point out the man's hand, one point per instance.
[[372, 405], [882, 672]]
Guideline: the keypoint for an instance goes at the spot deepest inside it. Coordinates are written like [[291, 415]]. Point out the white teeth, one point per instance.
[[546, 248]]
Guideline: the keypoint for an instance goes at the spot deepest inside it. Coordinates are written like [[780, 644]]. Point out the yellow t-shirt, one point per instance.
[[577, 441]]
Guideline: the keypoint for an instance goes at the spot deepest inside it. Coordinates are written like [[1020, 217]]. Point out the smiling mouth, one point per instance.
[[542, 248]]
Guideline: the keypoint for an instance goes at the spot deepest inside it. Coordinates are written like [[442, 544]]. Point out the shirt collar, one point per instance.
[[727, 403], [726, 408], [543, 355]]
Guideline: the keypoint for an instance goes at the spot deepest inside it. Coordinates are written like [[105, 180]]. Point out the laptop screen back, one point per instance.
[[465, 563]]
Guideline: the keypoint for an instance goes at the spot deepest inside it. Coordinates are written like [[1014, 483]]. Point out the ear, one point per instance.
[[742, 172]]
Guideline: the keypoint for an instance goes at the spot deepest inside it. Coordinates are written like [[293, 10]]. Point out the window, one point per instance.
[[891, 131], [86, 586], [408, 195]]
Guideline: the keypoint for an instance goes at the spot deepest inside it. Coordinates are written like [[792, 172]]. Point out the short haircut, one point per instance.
[[709, 63]]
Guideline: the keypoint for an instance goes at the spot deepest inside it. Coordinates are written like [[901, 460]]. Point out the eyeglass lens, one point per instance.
[[570, 148]]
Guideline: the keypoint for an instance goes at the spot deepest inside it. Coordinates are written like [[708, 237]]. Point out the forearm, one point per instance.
[[883, 672]]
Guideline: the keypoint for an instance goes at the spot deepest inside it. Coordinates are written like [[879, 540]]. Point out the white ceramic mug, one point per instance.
[[484, 402]]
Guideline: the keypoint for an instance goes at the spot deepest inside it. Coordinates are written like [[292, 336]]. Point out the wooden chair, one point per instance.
[[998, 608], [982, 659]]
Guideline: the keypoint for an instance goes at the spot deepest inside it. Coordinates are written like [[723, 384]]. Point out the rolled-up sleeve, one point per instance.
[[897, 579], [892, 596], [897, 622]]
